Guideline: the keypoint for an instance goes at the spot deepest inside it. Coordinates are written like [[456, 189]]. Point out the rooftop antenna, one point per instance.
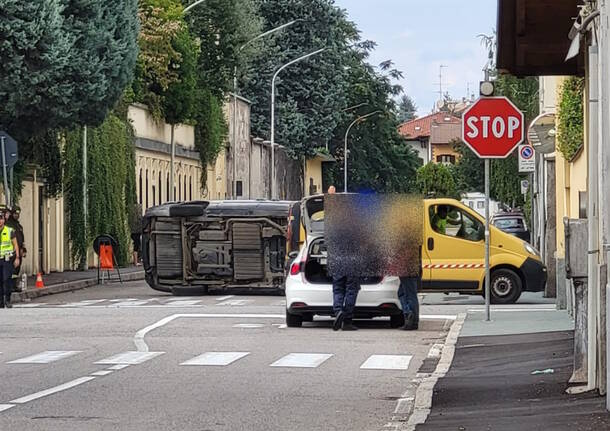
[[440, 83]]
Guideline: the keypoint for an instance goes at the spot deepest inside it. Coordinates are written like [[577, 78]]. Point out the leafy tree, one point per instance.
[[469, 171], [34, 50], [111, 185], [406, 109], [570, 117], [311, 94], [102, 58], [158, 63], [435, 179]]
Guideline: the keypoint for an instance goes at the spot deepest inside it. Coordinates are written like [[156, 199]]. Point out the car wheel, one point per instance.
[[397, 320], [293, 320], [505, 287]]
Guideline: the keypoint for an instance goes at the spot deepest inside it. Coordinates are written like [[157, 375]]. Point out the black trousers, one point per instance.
[[6, 284]]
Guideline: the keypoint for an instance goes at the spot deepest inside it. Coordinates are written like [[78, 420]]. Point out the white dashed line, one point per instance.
[[224, 298], [248, 325], [216, 358], [387, 362], [102, 373], [302, 360], [52, 390], [45, 357], [4, 407], [118, 367]]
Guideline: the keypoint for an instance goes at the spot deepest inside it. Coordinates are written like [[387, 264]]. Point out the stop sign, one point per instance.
[[493, 127]]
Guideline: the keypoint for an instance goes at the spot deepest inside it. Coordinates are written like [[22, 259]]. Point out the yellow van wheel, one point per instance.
[[505, 286]]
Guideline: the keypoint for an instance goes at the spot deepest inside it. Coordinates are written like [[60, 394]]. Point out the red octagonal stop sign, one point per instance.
[[493, 127]]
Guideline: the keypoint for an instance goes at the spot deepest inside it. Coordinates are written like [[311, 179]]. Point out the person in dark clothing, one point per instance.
[[13, 222], [9, 259], [345, 293], [407, 294]]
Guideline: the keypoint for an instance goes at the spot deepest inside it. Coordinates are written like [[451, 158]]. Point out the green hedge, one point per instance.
[[571, 117]]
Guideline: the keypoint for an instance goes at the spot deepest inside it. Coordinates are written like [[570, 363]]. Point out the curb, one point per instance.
[[69, 287]]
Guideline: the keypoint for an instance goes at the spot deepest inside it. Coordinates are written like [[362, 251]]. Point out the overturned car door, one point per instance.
[[188, 248]]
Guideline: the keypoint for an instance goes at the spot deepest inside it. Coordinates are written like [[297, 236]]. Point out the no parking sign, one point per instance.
[[527, 161]]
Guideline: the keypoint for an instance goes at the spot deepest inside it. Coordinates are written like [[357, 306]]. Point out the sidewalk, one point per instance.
[[58, 282], [490, 385]]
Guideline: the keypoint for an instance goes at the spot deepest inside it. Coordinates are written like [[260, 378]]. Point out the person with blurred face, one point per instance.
[[9, 260], [13, 223], [332, 190]]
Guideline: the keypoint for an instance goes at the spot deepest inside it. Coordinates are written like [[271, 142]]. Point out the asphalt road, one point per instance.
[[124, 357]]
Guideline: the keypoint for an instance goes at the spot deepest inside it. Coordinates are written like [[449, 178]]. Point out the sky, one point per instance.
[[419, 36]]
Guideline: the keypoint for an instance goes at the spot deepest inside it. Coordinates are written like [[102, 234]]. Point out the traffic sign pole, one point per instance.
[[487, 238], [492, 127], [7, 192]]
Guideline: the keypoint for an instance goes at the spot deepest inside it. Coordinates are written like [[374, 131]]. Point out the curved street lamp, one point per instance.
[[273, 194], [356, 121], [260, 36]]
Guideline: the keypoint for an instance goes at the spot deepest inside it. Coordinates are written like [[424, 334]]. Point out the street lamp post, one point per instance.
[[260, 36], [273, 191], [356, 121]]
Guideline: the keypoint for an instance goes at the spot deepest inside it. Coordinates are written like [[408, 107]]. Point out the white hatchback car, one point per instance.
[[309, 290]]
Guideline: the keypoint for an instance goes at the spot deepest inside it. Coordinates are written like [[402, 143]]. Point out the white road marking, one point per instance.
[[435, 351], [45, 357], [52, 390], [123, 299], [118, 367], [183, 303], [129, 358], [437, 317], [248, 325], [216, 358], [28, 306], [280, 325], [131, 303], [510, 310], [83, 303], [224, 298], [235, 302], [302, 360], [4, 407], [141, 345], [102, 373], [387, 362]]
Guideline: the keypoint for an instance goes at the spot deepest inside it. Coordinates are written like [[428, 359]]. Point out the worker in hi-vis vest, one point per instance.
[[9, 260]]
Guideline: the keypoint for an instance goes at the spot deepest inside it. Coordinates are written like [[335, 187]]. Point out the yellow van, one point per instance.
[[453, 254]]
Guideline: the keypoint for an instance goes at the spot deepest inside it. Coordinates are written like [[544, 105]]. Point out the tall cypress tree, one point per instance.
[[35, 50], [65, 62]]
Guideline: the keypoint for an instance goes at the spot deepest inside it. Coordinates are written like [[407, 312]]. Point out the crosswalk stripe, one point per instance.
[[83, 303], [248, 325], [216, 358], [183, 303], [4, 407], [387, 362], [102, 373], [302, 360], [130, 303], [45, 357], [129, 358], [235, 302]]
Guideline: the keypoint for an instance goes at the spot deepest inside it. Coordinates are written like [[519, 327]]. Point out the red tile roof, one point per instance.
[[421, 127]]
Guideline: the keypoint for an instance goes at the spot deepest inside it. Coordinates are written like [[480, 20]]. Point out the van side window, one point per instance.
[[451, 221]]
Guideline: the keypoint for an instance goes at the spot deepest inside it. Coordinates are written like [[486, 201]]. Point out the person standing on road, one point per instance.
[[10, 259], [135, 225], [410, 256], [345, 293], [13, 223]]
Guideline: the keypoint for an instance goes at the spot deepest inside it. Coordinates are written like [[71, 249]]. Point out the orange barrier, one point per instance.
[[106, 257]]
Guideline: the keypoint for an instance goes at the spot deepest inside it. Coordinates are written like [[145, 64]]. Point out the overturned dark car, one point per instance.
[[189, 248]]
